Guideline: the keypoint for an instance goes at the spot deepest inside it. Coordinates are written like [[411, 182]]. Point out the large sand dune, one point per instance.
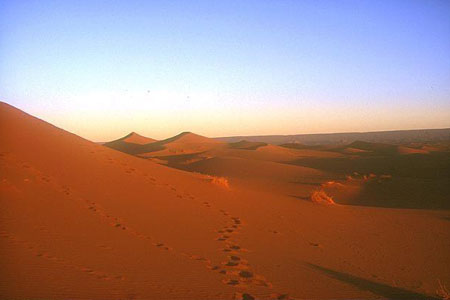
[[183, 143], [131, 143], [82, 221]]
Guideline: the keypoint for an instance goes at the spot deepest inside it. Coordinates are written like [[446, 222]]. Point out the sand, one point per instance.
[[80, 220]]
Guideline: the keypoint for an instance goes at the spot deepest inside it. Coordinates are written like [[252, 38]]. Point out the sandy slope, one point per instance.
[[131, 143], [135, 138], [183, 143], [82, 221]]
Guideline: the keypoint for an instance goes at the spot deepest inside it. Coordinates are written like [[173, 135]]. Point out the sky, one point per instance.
[[102, 69]]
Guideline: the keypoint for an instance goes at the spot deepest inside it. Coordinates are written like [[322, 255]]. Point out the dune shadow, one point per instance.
[[133, 149], [304, 198], [177, 160], [377, 288], [306, 183], [246, 145], [418, 181], [435, 165]]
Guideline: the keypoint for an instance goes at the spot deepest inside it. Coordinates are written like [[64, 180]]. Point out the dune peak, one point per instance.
[[134, 138]]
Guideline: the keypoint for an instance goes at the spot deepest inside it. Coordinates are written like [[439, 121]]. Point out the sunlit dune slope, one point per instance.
[[409, 150], [135, 138], [252, 170]]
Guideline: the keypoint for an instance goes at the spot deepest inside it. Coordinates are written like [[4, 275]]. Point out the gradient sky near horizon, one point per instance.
[[102, 69]]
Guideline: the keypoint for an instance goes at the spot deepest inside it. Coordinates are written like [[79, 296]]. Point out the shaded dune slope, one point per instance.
[[131, 143]]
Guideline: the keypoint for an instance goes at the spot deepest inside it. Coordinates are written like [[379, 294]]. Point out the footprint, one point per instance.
[[87, 270], [262, 282], [232, 263], [246, 274], [244, 296], [232, 282], [281, 296]]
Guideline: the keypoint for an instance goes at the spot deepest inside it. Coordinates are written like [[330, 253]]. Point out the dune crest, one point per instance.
[[131, 143]]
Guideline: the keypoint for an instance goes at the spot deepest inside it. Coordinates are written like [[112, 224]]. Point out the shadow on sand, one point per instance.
[[305, 198], [380, 289]]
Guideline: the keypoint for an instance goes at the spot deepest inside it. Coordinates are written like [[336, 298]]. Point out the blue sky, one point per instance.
[[103, 68]]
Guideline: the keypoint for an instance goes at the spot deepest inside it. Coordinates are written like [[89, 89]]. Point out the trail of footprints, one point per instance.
[[235, 269], [36, 251], [92, 206]]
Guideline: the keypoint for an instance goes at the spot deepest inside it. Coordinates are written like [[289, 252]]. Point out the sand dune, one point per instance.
[[183, 143], [264, 175], [408, 150], [82, 221], [135, 138], [131, 143]]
